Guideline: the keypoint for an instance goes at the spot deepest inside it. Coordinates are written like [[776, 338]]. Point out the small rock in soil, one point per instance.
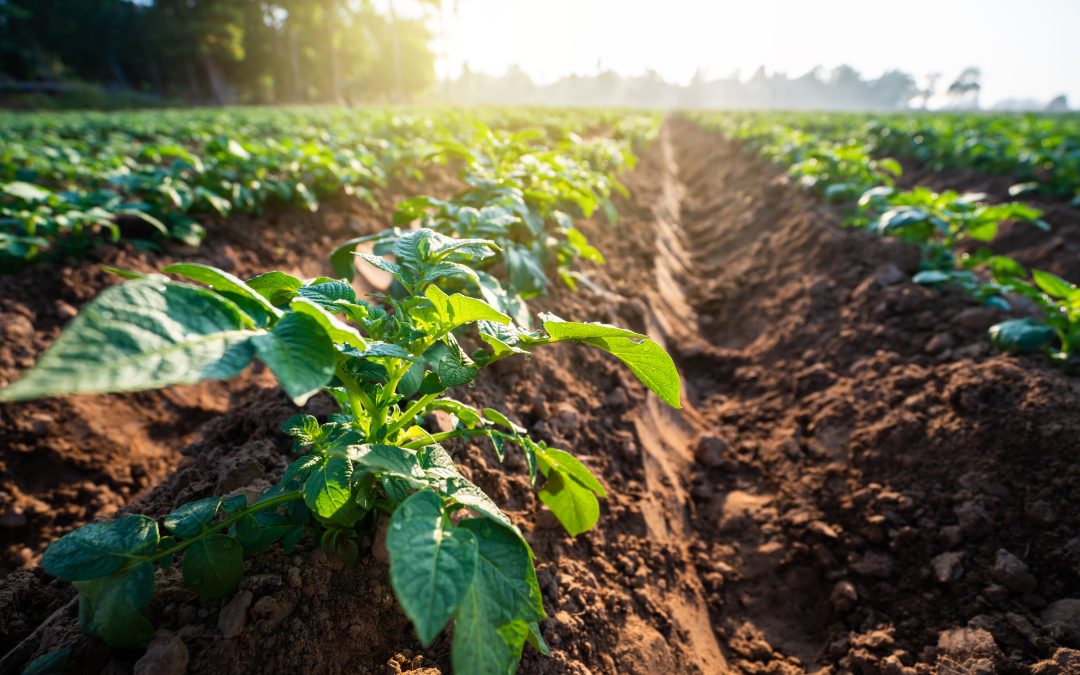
[[996, 593], [64, 310], [968, 643], [1072, 553], [233, 616], [975, 319], [1011, 572], [292, 577], [1039, 512], [712, 451], [939, 343], [617, 398], [947, 567], [166, 655], [378, 546], [974, 520], [874, 564], [18, 328], [889, 275], [843, 598], [1062, 619]]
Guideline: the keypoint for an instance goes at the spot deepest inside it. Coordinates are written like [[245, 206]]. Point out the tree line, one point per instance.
[[841, 88], [221, 51]]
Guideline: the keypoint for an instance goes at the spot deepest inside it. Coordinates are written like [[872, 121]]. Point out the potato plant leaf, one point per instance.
[[299, 353], [492, 621], [110, 606], [213, 566], [142, 335], [432, 563], [99, 549]]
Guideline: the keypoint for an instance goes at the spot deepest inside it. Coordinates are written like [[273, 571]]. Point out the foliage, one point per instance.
[[71, 181], [387, 363], [824, 155], [225, 52]]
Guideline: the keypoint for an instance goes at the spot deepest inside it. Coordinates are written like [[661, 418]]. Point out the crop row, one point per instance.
[[1042, 152], [458, 304], [71, 181], [951, 230]]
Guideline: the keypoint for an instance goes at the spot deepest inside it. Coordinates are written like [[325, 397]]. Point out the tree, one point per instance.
[[964, 91]]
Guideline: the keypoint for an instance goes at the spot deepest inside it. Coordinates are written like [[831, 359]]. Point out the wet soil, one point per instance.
[[856, 483]]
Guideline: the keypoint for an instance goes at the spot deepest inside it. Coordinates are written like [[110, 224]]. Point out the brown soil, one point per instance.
[[857, 483]]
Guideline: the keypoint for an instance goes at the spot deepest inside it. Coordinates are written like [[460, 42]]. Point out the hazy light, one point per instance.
[[1024, 48]]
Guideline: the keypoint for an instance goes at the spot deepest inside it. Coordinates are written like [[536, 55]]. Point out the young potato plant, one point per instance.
[[454, 555], [1058, 334], [522, 194]]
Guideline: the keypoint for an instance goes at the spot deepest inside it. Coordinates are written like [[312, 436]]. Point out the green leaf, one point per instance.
[[277, 287], [141, 335], [502, 420], [388, 460], [1053, 285], [432, 563], [26, 191], [327, 293], [647, 360], [492, 621], [536, 639], [213, 566], [109, 606], [190, 519], [1021, 335], [457, 309], [52, 663], [327, 489], [566, 463], [99, 549], [300, 354], [339, 331], [453, 371], [343, 258], [575, 505], [219, 280], [259, 531]]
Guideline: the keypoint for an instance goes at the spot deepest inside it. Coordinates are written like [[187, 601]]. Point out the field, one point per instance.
[[405, 390]]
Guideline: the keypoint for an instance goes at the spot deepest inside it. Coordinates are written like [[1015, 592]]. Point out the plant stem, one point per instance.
[[217, 527], [409, 414], [445, 436]]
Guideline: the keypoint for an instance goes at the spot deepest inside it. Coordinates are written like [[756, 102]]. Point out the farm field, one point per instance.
[[801, 392]]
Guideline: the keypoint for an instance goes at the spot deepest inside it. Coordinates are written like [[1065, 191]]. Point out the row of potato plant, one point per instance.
[[1040, 151], [388, 361], [952, 230], [69, 181]]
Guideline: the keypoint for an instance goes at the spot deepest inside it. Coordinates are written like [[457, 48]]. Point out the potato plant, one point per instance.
[[824, 156], [522, 194], [389, 362]]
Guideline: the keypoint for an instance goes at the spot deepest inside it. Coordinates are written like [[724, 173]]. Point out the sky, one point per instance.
[[1025, 48]]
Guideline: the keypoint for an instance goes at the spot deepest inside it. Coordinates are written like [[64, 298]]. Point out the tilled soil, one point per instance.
[[856, 484]]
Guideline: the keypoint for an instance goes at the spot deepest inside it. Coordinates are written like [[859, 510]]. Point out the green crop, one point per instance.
[[388, 363], [524, 196], [835, 156], [1058, 333], [70, 181]]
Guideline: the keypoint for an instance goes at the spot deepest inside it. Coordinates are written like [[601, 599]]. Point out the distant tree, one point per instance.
[[1058, 104], [964, 91]]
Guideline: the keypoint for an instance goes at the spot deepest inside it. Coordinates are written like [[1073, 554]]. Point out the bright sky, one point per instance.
[[1026, 48]]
